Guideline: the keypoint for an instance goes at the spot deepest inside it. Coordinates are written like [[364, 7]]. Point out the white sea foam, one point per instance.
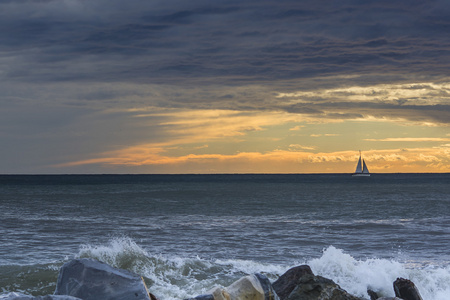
[[169, 277], [175, 277], [356, 276]]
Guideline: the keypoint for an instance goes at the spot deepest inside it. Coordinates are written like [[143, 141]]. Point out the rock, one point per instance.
[[152, 297], [56, 297], [406, 289], [372, 294], [89, 279], [312, 287], [252, 287], [389, 298], [269, 291], [18, 296], [286, 283], [218, 294]]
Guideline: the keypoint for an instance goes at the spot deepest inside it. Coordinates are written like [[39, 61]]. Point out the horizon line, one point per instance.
[[137, 174]]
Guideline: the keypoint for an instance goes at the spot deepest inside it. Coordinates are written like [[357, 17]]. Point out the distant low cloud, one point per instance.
[[301, 147], [324, 134], [409, 140], [296, 128], [142, 158]]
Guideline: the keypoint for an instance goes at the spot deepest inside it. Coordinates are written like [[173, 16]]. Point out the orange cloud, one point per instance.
[[296, 128], [279, 161], [325, 134], [199, 126], [409, 140], [297, 146]]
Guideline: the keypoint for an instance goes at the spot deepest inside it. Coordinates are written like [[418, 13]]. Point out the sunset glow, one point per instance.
[[292, 87]]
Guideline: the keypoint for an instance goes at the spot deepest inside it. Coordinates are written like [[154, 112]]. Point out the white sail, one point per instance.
[[358, 166], [365, 170]]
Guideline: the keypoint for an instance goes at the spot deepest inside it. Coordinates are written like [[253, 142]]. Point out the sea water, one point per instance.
[[186, 234]]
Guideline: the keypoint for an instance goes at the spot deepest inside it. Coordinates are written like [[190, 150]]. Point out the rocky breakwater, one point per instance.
[[299, 283], [89, 279]]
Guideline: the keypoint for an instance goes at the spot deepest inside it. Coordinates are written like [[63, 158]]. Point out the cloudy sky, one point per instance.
[[202, 86]]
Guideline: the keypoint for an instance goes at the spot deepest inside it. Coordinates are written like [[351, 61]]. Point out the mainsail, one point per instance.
[[358, 166]]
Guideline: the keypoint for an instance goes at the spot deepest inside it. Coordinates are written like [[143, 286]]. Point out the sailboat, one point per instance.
[[361, 168]]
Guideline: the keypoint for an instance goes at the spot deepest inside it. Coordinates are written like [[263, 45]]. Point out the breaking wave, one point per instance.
[[356, 276], [173, 277]]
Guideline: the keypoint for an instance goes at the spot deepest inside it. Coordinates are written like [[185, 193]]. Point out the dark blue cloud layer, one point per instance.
[[236, 41]]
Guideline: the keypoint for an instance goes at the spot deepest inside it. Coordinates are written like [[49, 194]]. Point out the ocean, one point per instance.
[[186, 234]]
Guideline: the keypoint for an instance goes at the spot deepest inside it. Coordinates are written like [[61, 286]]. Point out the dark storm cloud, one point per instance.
[[351, 110], [238, 41]]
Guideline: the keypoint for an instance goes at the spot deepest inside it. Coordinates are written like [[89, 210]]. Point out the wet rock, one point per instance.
[[287, 282], [252, 287], [89, 279], [269, 291], [56, 297], [406, 289], [219, 294], [312, 287], [372, 294]]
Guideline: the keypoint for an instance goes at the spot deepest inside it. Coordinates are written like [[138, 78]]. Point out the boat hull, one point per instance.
[[360, 175]]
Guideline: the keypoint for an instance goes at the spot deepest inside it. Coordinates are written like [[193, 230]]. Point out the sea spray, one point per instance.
[[120, 252], [356, 276]]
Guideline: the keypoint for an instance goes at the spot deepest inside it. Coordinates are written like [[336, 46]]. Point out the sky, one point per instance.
[[202, 86]]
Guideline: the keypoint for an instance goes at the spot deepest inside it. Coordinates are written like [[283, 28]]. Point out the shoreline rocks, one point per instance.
[[313, 287], [88, 279]]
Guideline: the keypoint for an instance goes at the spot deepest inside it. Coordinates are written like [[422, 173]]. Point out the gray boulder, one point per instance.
[[251, 287], [287, 282], [406, 289], [312, 287], [89, 279], [269, 291]]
